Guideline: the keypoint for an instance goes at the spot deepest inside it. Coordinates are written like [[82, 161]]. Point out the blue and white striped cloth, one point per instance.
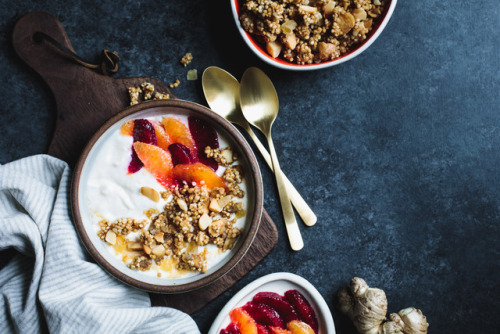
[[50, 284]]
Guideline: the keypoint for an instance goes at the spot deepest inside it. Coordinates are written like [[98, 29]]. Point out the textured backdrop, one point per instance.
[[397, 151]]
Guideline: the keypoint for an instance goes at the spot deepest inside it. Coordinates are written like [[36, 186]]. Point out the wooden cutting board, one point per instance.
[[85, 99]]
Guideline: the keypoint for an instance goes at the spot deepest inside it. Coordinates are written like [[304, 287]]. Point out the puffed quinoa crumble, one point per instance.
[[309, 31], [146, 91], [193, 216], [175, 84], [186, 59]]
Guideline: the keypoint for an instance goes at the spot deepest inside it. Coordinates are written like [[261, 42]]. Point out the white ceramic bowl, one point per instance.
[[260, 51], [279, 283]]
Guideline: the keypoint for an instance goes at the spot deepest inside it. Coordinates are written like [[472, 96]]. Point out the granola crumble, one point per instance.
[[309, 31], [146, 92], [186, 59], [193, 217], [175, 84]]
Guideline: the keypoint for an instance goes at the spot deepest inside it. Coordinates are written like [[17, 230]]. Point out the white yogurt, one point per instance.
[[111, 193]]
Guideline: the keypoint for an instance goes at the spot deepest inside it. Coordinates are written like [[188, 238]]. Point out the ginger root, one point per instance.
[[367, 308]]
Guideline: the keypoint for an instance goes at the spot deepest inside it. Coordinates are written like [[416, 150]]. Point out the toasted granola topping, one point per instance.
[[297, 30], [186, 59], [146, 91], [192, 217], [175, 84]]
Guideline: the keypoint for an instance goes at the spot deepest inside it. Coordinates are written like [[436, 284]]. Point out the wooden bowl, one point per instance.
[[99, 250]]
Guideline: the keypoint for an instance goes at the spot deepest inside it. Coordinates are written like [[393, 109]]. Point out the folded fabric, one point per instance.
[[51, 284]]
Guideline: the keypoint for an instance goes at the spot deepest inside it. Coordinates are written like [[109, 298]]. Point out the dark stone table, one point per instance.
[[397, 151]]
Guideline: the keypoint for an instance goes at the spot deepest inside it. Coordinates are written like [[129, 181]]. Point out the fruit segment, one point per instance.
[[204, 135], [304, 309], [178, 133], [279, 303], [180, 154], [161, 135], [144, 132], [198, 172], [244, 321], [264, 314], [157, 161], [127, 128], [299, 327]]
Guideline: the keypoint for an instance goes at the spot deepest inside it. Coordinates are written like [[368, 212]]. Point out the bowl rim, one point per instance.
[[282, 64], [254, 222]]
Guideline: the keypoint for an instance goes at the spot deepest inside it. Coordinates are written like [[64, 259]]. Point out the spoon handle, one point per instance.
[[297, 200], [292, 228]]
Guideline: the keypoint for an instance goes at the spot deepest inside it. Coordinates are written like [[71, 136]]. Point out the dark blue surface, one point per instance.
[[397, 150]]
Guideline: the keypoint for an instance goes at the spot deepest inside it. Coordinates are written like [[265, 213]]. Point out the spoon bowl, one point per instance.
[[260, 106], [222, 92]]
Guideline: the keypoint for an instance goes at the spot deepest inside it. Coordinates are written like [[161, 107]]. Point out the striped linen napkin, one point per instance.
[[51, 284]]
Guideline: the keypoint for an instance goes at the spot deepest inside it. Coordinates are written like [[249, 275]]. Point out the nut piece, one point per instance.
[[328, 8], [228, 155], [147, 249], [224, 201], [289, 26], [150, 193], [291, 41], [204, 221], [158, 250], [346, 22], [159, 237], [273, 48], [359, 14], [308, 9], [182, 204], [214, 206], [326, 51], [111, 237]]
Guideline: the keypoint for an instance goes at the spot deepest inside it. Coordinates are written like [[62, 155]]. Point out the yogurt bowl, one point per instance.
[[155, 220]]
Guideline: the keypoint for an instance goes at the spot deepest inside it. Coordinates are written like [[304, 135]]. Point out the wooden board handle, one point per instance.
[[85, 98]]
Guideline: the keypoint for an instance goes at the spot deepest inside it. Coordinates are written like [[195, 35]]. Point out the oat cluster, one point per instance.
[[192, 217], [186, 59], [310, 31], [175, 84], [144, 93]]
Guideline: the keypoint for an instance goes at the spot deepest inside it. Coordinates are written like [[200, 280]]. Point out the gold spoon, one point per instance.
[[259, 104], [222, 92]]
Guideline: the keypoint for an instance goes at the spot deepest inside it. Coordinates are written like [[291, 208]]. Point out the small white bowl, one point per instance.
[[260, 51], [279, 283]]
